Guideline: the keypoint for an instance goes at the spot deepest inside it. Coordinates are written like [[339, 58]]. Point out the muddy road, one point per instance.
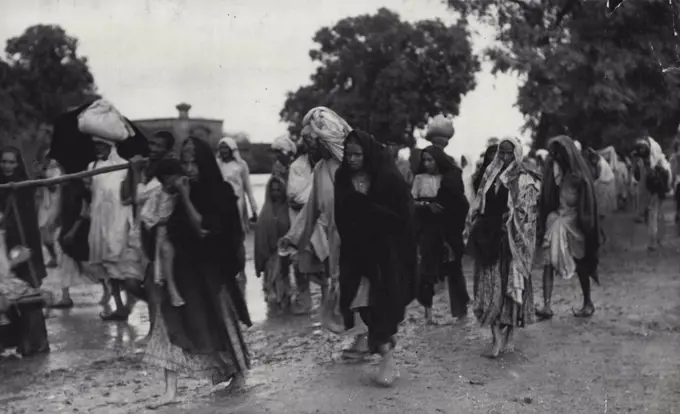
[[626, 359]]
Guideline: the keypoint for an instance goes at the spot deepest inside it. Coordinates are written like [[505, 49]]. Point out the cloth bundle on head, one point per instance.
[[103, 120], [74, 149], [285, 144], [440, 126], [329, 127]]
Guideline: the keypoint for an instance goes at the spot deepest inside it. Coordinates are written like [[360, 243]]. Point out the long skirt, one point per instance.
[[70, 272], [492, 303], [218, 366], [129, 265]]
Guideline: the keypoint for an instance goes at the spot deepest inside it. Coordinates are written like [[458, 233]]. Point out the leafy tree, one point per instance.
[[385, 75], [41, 77], [593, 72]]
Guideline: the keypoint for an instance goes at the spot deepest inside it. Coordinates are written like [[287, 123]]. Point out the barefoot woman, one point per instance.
[[502, 239], [203, 337], [378, 255], [565, 160]]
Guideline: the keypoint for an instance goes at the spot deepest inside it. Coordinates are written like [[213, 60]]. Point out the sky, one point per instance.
[[236, 59]]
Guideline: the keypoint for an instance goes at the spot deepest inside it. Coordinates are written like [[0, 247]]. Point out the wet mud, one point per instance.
[[625, 359]]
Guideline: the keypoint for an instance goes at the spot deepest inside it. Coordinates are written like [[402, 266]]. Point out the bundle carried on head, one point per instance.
[[72, 145]]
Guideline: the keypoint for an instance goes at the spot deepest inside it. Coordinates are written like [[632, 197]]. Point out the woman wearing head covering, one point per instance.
[[235, 171], [313, 236], [299, 187], [378, 258], [203, 337], [284, 150], [621, 176], [501, 230], [441, 208], [21, 230], [653, 173], [484, 163], [115, 247], [605, 188], [565, 159], [273, 224]]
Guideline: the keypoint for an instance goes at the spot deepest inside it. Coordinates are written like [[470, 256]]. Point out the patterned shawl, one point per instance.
[[523, 186]]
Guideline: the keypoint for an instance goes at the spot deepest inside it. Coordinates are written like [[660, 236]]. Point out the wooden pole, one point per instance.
[[68, 177]]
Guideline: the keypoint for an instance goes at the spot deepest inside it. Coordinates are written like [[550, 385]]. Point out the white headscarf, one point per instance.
[[231, 143], [578, 145], [330, 128], [285, 145]]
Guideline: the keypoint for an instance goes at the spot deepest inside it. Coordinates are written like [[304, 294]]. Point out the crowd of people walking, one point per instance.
[[342, 210]]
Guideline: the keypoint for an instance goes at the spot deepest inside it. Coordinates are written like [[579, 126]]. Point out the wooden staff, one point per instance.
[[45, 182]]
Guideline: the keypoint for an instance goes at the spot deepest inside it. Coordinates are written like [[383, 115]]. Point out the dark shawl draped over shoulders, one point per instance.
[[451, 196], [378, 234], [28, 219], [588, 220], [205, 267]]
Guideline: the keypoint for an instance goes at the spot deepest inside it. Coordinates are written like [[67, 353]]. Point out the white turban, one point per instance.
[[330, 128]]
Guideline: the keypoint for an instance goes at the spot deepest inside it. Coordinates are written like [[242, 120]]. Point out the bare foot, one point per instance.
[[429, 318], [358, 350], [509, 341], [494, 350], [237, 384], [387, 370], [544, 314], [165, 400], [586, 312]]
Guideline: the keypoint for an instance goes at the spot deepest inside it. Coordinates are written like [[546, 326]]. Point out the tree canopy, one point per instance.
[[385, 75], [41, 77], [598, 71]]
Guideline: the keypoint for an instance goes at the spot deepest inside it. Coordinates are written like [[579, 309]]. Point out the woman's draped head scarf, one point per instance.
[[330, 128], [233, 146], [495, 169], [21, 172], [285, 144]]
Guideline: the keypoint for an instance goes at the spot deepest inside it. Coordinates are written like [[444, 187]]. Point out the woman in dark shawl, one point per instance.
[[487, 158], [442, 207], [374, 216], [202, 337], [565, 159], [13, 169]]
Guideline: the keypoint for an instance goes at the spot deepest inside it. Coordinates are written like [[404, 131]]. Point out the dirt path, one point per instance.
[[626, 359]]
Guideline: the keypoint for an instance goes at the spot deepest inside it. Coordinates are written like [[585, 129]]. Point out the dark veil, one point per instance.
[[28, 219]]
